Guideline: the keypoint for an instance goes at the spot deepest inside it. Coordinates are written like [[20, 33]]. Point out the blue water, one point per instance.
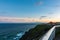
[[14, 31]]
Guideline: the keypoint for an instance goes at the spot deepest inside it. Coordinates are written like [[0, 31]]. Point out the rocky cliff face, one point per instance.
[[36, 33]]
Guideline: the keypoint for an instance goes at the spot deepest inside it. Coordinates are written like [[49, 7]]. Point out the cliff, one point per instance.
[[36, 33]]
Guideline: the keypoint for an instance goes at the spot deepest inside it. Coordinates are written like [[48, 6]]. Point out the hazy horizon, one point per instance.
[[29, 10]]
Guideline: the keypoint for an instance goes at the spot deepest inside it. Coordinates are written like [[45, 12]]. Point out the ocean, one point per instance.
[[14, 31]]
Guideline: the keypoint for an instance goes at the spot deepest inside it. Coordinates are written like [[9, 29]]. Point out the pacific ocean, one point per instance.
[[13, 31]]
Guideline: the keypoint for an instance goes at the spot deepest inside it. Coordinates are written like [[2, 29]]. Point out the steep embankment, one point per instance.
[[36, 32]]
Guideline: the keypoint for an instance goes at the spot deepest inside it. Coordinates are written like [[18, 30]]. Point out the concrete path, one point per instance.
[[50, 34]]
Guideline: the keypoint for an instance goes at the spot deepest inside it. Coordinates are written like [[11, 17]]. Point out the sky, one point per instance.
[[29, 10]]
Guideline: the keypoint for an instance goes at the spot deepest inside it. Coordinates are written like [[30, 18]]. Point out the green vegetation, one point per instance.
[[57, 34], [36, 32]]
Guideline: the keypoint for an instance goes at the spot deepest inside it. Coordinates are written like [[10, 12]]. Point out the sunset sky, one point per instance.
[[29, 10]]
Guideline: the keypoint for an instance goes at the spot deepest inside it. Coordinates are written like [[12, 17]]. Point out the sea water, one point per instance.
[[14, 31]]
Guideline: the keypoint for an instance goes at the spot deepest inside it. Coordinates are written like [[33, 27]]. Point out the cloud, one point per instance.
[[39, 3], [3, 12], [57, 6], [50, 13], [18, 20], [15, 19], [42, 17]]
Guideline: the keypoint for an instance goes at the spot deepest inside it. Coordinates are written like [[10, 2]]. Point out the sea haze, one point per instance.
[[12, 31]]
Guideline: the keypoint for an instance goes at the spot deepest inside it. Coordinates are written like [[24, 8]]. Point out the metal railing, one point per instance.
[[49, 35]]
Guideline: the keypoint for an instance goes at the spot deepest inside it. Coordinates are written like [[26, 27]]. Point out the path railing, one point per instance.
[[50, 34]]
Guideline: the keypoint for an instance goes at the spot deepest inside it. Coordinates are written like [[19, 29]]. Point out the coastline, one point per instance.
[[36, 32]]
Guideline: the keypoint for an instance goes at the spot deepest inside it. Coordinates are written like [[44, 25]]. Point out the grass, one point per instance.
[[36, 32]]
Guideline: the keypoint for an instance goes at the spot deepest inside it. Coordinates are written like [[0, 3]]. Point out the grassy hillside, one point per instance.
[[36, 32], [57, 34]]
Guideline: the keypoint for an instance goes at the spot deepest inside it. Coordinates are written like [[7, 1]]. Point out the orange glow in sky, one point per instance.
[[14, 19]]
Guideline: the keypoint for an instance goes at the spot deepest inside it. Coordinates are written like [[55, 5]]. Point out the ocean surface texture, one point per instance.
[[13, 31]]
